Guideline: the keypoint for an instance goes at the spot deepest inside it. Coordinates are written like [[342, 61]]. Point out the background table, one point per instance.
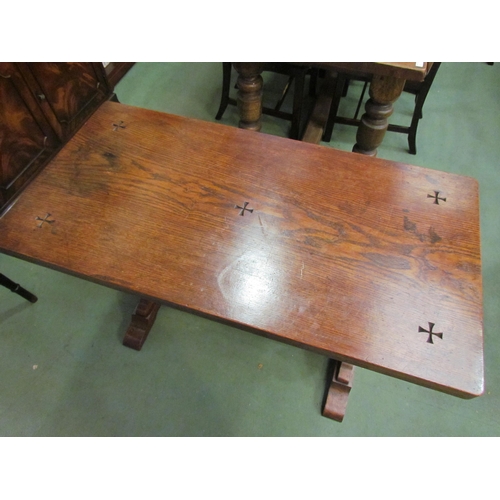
[[387, 83]]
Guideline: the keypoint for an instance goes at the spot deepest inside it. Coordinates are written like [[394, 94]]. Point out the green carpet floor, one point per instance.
[[64, 371]]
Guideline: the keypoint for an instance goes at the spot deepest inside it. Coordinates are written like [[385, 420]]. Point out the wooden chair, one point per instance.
[[18, 289], [296, 78], [418, 89]]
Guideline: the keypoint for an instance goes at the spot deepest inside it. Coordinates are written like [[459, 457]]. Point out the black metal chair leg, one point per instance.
[[226, 83], [412, 131], [18, 289], [298, 97], [419, 104]]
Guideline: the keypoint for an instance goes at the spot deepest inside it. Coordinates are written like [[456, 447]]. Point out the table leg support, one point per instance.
[[249, 99], [141, 324], [339, 386], [384, 91]]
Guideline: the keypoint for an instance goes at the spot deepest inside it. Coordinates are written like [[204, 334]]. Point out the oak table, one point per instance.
[[365, 261], [387, 83]]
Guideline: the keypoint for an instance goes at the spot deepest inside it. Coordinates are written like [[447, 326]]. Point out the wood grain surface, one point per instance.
[[410, 71], [343, 254]]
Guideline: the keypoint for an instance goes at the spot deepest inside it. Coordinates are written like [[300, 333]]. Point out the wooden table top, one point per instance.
[[360, 259], [413, 71]]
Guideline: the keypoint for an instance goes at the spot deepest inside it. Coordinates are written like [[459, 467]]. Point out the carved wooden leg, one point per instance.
[[338, 390], [249, 94], [142, 322], [384, 91]]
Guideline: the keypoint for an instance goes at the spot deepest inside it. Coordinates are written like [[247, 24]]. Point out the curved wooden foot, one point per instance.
[[142, 322], [340, 384]]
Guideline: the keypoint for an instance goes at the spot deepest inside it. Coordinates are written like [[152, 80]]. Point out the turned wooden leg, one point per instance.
[[384, 91], [142, 322], [249, 94], [339, 386]]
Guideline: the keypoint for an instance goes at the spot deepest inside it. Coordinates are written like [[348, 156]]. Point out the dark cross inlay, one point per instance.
[[243, 208], [436, 197], [118, 125], [45, 219], [430, 332]]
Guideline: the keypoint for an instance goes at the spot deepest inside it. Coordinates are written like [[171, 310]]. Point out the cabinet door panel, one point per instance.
[[68, 93], [26, 139]]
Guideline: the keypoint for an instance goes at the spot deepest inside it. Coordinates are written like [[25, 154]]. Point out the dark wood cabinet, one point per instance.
[[41, 106], [27, 141], [67, 92], [115, 71]]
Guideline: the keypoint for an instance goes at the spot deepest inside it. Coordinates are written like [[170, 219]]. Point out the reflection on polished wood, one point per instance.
[[343, 254]]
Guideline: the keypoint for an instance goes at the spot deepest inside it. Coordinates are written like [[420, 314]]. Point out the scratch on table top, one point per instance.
[[262, 226]]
